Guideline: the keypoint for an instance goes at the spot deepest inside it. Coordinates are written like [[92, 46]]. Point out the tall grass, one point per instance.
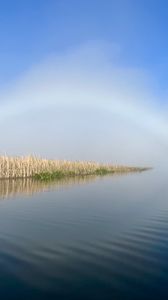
[[31, 166]]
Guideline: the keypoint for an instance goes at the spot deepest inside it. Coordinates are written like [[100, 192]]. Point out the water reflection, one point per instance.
[[104, 240], [13, 187]]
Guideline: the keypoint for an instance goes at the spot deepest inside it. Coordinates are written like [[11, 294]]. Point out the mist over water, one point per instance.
[[90, 237], [83, 81], [87, 238], [82, 105]]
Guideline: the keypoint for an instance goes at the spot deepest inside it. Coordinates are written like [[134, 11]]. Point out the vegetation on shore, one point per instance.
[[45, 169]]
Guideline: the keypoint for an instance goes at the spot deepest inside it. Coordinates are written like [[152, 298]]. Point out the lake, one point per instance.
[[85, 238]]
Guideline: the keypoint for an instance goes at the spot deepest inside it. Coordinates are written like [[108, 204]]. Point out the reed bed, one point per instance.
[[31, 166]]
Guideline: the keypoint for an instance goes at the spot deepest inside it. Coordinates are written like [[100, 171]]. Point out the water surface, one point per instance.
[[85, 238]]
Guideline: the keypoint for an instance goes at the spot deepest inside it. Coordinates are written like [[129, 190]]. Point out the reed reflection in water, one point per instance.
[[29, 186]]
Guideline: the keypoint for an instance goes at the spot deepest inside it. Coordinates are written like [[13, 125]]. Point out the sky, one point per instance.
[[84, 80]]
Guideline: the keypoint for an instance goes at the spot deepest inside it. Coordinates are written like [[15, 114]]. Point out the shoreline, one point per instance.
[[47, 176], [47, 169]]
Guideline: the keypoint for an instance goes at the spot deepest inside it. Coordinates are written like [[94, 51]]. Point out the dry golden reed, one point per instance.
[[29, 166]]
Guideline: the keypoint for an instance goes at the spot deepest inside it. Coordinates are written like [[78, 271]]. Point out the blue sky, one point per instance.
[[31, 30], [98, 59]]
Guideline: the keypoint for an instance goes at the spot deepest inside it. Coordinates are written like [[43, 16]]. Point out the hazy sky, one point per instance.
[[84, 79]]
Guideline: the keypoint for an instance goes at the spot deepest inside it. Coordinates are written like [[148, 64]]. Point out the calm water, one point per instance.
[[85, 238]]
